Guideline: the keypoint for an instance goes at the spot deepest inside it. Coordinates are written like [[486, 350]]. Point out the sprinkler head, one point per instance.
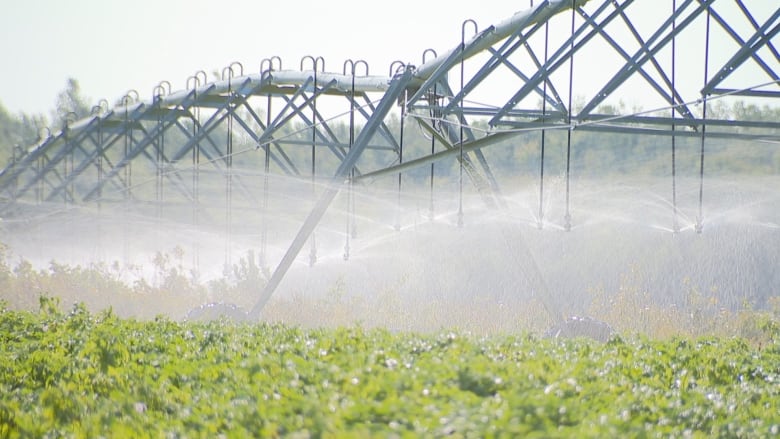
[[567, 222], [698, 227]]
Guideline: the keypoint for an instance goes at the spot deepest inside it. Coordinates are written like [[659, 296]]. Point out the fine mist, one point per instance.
[[380, 259]]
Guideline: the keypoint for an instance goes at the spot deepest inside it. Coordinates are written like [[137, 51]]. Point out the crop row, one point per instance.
[[81, 374]]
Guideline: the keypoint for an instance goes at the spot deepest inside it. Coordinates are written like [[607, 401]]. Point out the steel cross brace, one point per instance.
[[454, 57], [499, 57], [674, 97], [204, 132], [313, 123], [167, 121], [138, 113], [396, 90], [753, 22], [10, 176], [747, 49], [383, 130], [557, 59], [282, 118], [552, 97], [89, 159], [265, 139], [170, 119], [65, 149], [668, 132], [122, 130], [646, 53], [17, 169], [102, 146]]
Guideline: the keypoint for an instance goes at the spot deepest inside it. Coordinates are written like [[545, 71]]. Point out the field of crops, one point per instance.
[[81, 374]]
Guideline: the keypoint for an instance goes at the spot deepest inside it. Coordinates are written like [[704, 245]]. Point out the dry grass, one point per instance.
[[631, 310]]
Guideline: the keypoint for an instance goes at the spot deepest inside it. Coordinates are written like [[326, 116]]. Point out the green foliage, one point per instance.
[[101, 286], [593, 153], [71, 101], [700, 314], [17, 132], [172, 290], [80, 374], [73, 373], [242, 279]]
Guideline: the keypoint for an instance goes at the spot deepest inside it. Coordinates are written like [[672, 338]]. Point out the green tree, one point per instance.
[[17, 132], [71, 100], [7, 134]]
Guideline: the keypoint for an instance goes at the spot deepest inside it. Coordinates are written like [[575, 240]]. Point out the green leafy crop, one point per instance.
[[76, 374]]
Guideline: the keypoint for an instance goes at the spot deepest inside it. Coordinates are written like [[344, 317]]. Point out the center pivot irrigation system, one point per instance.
[[336, 129]]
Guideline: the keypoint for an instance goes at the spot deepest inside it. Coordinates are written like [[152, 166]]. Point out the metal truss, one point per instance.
[[560, 65]]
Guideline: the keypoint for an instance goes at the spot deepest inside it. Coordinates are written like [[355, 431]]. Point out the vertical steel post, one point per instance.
[[126, 195], [230, 72], [349, 147], [97, 111], [397, 87], [317, 63], [400, 161], [195, 80], [351, 231], [700, 220], [540, 217], [675, 221], [460, 115], [158, 147], [434, 112], [567, 216], [70, 118], [65, 130], [267, 159]]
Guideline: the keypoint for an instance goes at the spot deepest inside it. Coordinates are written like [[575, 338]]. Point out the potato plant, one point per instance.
[[81, 374]]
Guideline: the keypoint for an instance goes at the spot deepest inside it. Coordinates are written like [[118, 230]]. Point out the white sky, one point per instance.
[[111, 46]]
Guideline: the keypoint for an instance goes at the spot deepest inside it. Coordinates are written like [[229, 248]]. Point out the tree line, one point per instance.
[[591, 153]]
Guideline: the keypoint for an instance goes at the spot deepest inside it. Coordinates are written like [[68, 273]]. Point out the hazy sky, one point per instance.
[[111, 46]]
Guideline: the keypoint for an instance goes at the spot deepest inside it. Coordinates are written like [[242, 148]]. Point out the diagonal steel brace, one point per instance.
[[397, 88]]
